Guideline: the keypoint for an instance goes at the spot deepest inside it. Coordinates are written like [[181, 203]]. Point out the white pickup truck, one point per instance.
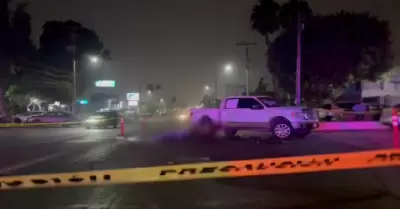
[[254, 113]]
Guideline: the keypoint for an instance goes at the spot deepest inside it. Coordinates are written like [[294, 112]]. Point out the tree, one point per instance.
[[206, 101], [269, 18], [153, 87], [265, 18], [338, 50], [16, 47], [21, 42], [261, 87], [60, 42]]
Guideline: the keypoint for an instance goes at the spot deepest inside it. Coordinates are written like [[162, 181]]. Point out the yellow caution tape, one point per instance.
[[14, 125], [229, 169]]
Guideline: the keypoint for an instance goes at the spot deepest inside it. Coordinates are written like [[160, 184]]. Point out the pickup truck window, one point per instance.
[[249, 103], [268, 101], [231, 103]]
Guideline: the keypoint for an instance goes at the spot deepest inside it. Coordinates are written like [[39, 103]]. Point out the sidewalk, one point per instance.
[[352, 126]]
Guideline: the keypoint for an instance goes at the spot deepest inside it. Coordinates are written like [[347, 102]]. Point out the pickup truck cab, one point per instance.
[[254, 113]]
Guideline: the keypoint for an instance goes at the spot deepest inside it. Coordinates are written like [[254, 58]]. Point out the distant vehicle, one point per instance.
[[182, 115], [3, 119], [254, 113], [23, 118], [103, 120], [52, 117]]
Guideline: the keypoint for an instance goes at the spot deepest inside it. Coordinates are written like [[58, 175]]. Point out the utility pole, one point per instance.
[[74, 71], [72, 49], [247, 44], [298, 60], [216, 84]]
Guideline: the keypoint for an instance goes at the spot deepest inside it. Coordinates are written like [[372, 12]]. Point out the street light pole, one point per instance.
[[298, 61], [218, 80], [73, 104], [247, 70], [74, 83]]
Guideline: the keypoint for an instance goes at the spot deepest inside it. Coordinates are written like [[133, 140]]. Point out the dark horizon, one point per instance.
[[153, 41]]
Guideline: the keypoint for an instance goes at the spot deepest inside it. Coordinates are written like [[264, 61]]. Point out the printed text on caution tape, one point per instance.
[[287, 165]]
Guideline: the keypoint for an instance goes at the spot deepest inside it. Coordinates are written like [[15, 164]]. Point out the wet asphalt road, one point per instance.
[[54, 150]]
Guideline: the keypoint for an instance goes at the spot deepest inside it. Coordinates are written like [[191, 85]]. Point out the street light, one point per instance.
[[149, 92], [207, 88], [93, 60], [228, 68], [161, 100]]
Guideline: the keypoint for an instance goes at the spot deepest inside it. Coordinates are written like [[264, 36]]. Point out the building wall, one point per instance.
[[381, 88], [386, 92]]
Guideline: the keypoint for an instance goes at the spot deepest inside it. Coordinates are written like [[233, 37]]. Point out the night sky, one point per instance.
[[181, 43]]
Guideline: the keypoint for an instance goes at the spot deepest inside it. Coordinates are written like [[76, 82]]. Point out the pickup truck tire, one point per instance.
[[230, 132], [282, 128], [205, 128]]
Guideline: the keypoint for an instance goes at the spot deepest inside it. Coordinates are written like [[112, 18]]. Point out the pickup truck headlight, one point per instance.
[[182, 117], [91, 120]]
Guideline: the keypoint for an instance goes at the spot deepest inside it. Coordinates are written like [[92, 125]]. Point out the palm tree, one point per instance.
[[265, 18], [294, 12], [268, 17]]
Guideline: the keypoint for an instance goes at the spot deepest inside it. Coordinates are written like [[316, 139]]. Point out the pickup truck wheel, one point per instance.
[[205, 128], [230, 132], [282, 129]]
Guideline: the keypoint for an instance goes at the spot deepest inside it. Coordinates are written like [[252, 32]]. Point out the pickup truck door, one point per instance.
[[244, 113]]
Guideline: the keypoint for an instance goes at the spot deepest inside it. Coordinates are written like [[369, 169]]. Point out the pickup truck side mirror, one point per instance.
[[256, 107]]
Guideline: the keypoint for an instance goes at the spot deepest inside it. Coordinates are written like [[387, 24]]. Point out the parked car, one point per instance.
[[3, 119], [22, 118], [254, 113], [53, 117], [102, 120]]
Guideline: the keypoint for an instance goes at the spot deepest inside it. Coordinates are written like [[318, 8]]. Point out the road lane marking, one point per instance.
[[100, 139], [31, 162]]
